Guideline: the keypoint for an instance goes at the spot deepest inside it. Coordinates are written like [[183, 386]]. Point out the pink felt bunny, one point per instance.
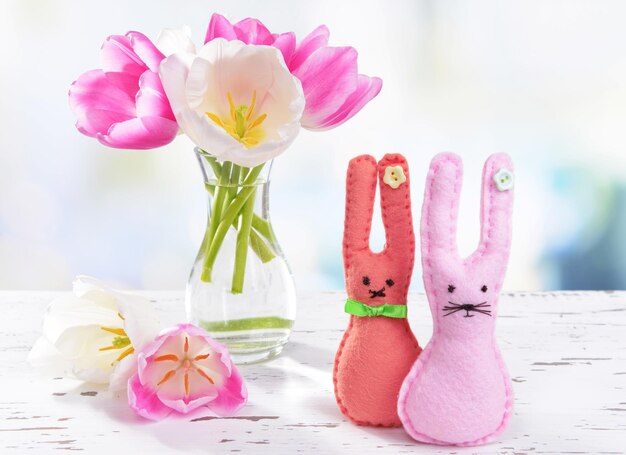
[[458, 392], [378, 347]]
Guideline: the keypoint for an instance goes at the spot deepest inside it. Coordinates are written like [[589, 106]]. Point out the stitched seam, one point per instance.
[[409, 232], [421, 361], [348, 250], [349, 253], [486, 245], [336, 367], [428, 273]]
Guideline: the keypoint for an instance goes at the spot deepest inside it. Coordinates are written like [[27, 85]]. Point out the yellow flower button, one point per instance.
[[394, 176], [504, 179]]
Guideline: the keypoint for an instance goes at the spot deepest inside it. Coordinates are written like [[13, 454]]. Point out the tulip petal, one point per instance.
[[95, 291], [205, 134], [197, 84], [220, 27], [145, 50], [140, 133], [174, 40], [81, 345], [141, 322], [328, 77], [82, 284], [264, 152], [367, 89], [45, 357], [145, 401], [97, 103], [286, 43], [186, 369], [69, 311], [123, 371], [318, 38], [127, 83], [189, 329], [151, 100], [185, 407], [252, 31], [232, 397], [91, 335], [117, 56]]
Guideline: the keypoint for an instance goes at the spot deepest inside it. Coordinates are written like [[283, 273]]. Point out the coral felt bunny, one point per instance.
[[458, 392], [378, 347]]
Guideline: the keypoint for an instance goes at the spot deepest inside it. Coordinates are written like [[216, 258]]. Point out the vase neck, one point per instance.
[[227, 173]]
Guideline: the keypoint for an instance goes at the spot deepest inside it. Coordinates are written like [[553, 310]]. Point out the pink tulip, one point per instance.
[[184, 369], [123, 104], [333, 89]]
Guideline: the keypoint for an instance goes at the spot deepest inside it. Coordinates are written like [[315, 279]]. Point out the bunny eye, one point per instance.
[[451, 288], [484, 288], [389, 282], [366, 280]]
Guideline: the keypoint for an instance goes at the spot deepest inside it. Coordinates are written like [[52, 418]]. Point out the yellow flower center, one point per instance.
[[121, 341], [241, 124]]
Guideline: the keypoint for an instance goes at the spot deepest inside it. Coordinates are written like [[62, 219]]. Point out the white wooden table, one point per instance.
[[566, 353]]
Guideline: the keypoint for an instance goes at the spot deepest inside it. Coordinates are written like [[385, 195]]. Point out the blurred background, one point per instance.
[[542, 80]]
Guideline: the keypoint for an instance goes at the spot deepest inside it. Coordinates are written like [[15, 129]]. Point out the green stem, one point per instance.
[[241, 249], [261, 249], [227, 219], [258, 223], [216, 215], [258, 245], [217, 168], [232, 186], [263, 227]]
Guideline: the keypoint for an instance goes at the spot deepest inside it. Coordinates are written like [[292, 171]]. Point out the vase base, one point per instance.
[[251, 340], [248, 348], [256, 357]]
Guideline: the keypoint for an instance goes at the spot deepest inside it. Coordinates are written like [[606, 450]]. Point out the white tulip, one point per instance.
[[92, 335], [173, 40], [237, 102]]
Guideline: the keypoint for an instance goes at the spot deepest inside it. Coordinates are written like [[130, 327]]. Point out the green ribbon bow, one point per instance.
[[389, 311]]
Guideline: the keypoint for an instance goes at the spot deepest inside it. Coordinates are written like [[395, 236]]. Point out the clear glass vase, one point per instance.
[[240, 289]]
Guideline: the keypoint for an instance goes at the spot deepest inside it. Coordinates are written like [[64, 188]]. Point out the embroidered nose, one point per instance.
[[468, 307], [379, 293], [482, 308]]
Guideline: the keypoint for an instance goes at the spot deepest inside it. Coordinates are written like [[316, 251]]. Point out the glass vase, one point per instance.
[[240, 289]]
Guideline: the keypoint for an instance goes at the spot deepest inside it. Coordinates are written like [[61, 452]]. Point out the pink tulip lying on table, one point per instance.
[[182, 370]]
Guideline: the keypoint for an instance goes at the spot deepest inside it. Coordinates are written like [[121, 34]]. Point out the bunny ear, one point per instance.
[[496, 206], [360, 194], [395, 202], [441, 205]]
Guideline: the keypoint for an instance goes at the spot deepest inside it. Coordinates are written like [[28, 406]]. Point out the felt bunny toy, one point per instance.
[[378, 347], [458, 392]]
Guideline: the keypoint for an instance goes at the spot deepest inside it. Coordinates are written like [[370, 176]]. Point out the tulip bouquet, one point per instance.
[[241, 97]]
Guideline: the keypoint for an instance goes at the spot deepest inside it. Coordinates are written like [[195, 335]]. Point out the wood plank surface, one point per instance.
[[565, 351]]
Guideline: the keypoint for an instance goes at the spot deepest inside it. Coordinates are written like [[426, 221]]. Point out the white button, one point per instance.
[[504, 179], [394, 176]]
